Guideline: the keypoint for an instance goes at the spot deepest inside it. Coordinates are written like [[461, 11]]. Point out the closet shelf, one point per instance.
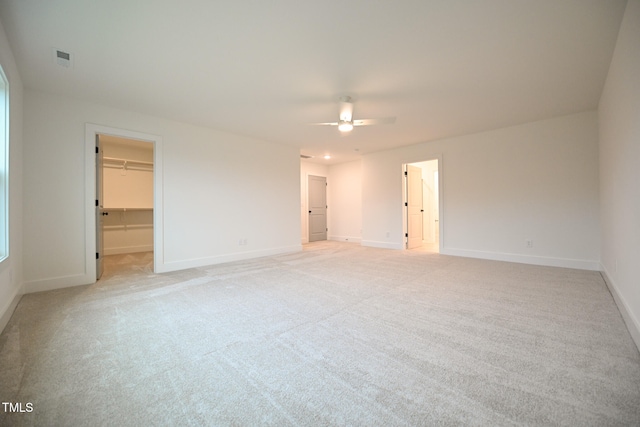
[[126, 161], [126, 209]]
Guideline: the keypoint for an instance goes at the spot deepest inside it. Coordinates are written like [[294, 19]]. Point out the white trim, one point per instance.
[[383, 245], [91, 130], [345, 239], [632, 323], [525, 259], [9, 308], [128, 249], [219, 259], [58, 282], [5, 168]]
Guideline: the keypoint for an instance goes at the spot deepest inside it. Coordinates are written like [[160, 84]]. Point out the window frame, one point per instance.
[[4, 165]]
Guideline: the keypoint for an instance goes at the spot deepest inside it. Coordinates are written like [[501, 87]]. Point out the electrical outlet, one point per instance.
[[528, 243]]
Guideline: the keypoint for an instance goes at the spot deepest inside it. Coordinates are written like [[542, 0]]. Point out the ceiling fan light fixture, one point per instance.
[[345, 126]]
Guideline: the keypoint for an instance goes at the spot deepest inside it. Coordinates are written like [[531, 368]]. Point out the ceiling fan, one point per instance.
[[346, 121]]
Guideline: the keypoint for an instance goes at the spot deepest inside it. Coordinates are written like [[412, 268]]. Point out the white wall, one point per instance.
[[535, 181], [11, 267], [619, 119], [344, 198], [219, 189], [308, 168]]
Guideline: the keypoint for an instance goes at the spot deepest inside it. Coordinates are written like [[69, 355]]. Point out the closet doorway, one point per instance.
[[423, 205], [125, 200]]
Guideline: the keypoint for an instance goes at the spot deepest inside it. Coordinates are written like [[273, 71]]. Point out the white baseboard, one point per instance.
[[633, 325], [525, 259], [345, 239], [128, 250], [58, 283], [166, 267], [9, 308], [382, 245]]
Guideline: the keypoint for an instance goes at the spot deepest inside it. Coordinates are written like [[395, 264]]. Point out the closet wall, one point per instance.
[[127, 195]]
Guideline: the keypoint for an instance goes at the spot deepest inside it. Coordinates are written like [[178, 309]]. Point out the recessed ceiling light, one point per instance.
[[326, 156]]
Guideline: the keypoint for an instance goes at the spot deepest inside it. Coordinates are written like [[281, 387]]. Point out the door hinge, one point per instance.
[[97, 203], [406, 173], [97, 150], [406, 234], [406, 203], [97, 255]]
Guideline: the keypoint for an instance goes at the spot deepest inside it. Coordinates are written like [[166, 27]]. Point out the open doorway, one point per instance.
[[93, 214], [422, 194], [125, 195]]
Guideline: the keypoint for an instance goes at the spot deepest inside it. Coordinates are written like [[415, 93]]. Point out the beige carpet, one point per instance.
[[337, 334]]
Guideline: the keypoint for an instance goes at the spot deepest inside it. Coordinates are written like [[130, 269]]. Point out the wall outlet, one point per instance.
[[243, 241], [528, 243]]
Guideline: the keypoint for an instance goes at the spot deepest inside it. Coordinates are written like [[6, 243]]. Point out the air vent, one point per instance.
[[62, 58], [304, 156]]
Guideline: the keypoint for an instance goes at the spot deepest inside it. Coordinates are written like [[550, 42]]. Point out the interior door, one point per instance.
[[99, 210], [317, 208], [414, 207]]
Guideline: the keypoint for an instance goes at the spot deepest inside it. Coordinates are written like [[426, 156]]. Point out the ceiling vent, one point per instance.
[[304, 156], [62, 58]]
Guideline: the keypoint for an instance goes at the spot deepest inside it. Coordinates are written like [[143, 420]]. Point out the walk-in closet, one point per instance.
[[127, 201]]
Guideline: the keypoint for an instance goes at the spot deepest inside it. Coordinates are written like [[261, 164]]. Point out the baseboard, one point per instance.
[[382, 245], [128, 250], [9, 308], [167, 267], [525, 259], [58, 283], [633, 325], [345, 239]]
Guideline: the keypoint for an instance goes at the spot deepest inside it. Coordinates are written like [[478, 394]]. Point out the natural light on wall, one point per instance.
[[4, 166]]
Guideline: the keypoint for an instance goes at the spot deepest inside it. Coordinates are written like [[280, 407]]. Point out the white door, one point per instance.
[[317, 208], [99, 210], [414, 207]]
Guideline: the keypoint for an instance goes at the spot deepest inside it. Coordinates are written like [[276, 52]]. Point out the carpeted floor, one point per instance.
[[337, 334]]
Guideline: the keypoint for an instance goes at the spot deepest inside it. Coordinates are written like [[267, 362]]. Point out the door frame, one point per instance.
[[91, 131], [441, 218]]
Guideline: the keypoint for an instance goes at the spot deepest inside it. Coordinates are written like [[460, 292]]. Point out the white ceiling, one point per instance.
[[268, 68]]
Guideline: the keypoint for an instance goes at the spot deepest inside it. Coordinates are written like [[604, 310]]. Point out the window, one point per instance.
[[4, 166]]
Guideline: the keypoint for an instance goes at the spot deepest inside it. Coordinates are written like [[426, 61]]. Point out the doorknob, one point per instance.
[[105, 213]]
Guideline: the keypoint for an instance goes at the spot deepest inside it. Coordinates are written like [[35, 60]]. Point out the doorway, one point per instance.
[[423, 205], [141, 213], [124, 188]]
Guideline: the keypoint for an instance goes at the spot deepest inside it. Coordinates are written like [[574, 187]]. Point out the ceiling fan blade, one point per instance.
[[367, 122], [324, 124]]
